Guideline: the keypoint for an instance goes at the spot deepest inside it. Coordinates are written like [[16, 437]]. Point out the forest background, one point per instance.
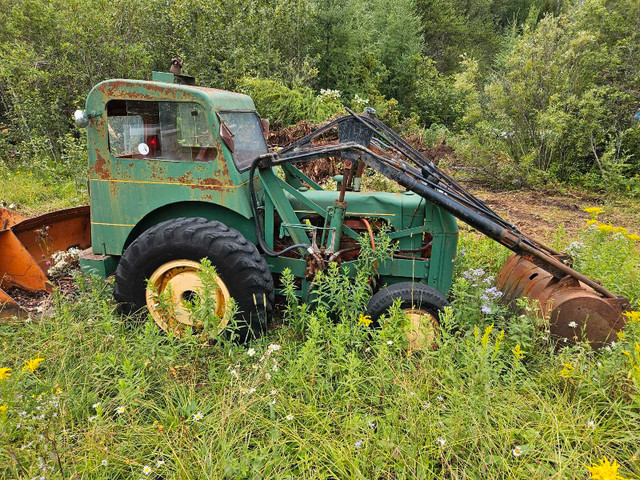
[[527, 92]]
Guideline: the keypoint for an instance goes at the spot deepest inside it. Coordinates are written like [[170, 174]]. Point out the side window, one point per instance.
[[176, 131]]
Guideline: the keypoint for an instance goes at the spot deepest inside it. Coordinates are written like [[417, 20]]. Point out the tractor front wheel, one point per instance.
[[421, 305], [163, 264]]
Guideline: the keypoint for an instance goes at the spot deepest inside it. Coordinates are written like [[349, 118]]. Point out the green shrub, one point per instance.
[[285, 106]]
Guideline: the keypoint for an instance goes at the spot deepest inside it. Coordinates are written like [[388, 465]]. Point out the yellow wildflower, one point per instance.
[[606, 228], [518, 352], [3, 409], [4, 373], [567, 371], [632, 316], [365, 320], [591, 221], [595, 210], [32, 364], [605, 470], [634, 237]]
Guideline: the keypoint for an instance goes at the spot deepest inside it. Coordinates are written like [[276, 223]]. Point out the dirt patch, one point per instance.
[[35, 303], [539, 213], [29, 302]]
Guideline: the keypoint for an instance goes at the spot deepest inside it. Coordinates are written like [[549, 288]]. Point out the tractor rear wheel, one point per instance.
[[421, 305], [163, 262]]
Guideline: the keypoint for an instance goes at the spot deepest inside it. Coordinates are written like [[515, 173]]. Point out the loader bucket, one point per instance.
[[26, 246], [563, 301]]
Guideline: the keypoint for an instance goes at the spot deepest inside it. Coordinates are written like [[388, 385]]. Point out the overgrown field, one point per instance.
[[91, 394]]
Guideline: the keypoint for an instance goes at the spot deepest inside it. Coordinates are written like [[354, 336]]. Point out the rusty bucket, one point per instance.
[[26, 246], [574, 309]]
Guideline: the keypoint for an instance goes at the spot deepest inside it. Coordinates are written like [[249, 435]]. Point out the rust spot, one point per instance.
[[131, 164], [208, 197], [158, 171], [186, 178], [143, 90], [212, 182], [100, 166]]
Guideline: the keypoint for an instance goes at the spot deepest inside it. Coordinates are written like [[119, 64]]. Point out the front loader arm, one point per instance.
[[536, 270]]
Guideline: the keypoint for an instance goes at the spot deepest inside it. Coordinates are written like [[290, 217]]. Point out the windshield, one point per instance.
[[248, 138]]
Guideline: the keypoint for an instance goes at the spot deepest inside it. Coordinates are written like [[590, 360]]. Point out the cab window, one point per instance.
[[248, 138], [175, 131]]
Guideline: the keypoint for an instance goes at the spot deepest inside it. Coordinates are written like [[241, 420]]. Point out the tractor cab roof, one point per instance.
[[166, 87]]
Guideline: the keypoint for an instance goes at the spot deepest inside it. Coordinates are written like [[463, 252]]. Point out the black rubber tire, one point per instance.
[[411, 295], [237, 261]]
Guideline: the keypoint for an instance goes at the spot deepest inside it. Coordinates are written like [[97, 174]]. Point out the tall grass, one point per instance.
[[323, 395]]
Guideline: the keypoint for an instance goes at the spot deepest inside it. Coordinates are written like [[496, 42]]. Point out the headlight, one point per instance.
[[81, 118]]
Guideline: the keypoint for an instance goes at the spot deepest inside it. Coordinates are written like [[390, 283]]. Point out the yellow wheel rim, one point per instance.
[[421, 329], [178, 283]]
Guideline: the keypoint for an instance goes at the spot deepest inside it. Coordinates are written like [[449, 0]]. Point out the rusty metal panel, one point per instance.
[[17, 266], [8, 218], [8, 306], [43, 235], [126, 190]]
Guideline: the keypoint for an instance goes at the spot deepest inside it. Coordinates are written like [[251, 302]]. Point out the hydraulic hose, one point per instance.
[[256, 219]]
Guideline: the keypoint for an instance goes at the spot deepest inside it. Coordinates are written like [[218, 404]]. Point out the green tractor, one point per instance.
[[179, 173], [171, 182]]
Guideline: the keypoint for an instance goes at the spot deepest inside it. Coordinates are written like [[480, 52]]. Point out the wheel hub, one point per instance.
[[174, 287]]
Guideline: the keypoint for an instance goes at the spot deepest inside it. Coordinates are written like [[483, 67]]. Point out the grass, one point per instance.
[[318, 398], [32, 194]]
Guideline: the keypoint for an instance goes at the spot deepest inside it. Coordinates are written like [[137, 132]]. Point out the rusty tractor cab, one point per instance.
[[178, 173]]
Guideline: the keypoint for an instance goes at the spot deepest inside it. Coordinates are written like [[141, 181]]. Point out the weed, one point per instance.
[[325, 396]]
